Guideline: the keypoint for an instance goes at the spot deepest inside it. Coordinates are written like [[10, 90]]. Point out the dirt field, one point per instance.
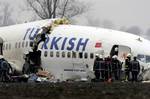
[[75, 91]]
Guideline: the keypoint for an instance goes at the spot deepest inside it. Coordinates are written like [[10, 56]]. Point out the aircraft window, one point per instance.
[[19, 45], [63, 54], [80, 55], [141, 57], [9, 46], [68, 54], [26, 43], [6, 46], [85, 55], [45, 53], [51, 54], [147, 59], [57, 54], [16, 45], [23, 44], [91, 55], [73, 54]]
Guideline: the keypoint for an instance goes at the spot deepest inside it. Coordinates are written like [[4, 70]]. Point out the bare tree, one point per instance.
[[6, 15], [56, 8]]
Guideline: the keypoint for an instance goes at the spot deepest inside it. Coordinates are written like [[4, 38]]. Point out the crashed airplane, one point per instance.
[[68, 51]]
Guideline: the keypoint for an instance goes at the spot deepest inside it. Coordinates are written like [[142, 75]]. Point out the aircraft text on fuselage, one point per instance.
[[58, 43]]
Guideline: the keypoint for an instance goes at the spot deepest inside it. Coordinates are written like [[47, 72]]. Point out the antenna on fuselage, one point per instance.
[[139, 39]]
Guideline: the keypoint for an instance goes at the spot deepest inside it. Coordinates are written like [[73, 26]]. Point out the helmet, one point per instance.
[[114, 57], [26, 52], [100, 56], [30, 50], [1, 56], [97, 55], [128, 55]]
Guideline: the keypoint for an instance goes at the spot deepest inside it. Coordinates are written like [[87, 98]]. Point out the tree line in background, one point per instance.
[[46, 9], [5, 15], [110, 25]]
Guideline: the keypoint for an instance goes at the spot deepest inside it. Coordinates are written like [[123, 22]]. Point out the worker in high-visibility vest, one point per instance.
[[127, 67]]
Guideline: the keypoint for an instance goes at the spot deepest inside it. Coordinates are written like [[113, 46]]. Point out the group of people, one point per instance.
[[110, 68], [133, 67]]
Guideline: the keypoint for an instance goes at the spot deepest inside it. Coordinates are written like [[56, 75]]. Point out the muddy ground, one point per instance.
[[74, 91]]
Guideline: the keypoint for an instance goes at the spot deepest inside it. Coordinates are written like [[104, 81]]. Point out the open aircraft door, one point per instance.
[[121, 51]]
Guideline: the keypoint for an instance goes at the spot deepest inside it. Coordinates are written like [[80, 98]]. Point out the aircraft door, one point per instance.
[[1, 46], [78, 65], [121, 51]]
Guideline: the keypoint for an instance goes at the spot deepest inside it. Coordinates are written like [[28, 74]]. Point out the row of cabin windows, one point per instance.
[[21, 44], [7, 46], [63, 54], [69, 54]]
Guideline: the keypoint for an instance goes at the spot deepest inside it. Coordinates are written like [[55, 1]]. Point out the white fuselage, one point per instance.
[[69, 49]]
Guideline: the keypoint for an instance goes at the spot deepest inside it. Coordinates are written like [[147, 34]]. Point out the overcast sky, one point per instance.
[[124, 12], [120, 12]]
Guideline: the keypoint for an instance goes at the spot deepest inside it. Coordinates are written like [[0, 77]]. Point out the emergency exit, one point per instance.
[[121, 51]]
